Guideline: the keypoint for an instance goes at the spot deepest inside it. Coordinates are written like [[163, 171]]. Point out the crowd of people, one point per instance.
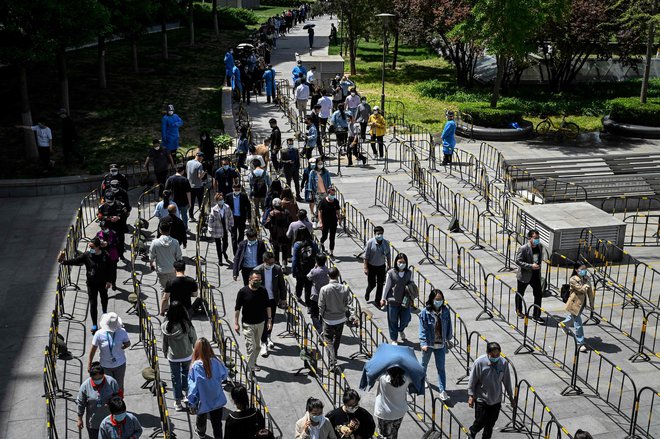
[[270, 201]]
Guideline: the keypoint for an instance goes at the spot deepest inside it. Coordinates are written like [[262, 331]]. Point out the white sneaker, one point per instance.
[[264, 350], [394, 342], [177, 406], [426, 384], [443, 396], [271, 345], [583, 348], [402, 336]]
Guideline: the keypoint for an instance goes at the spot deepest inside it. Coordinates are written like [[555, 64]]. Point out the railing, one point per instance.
[[542, 189]]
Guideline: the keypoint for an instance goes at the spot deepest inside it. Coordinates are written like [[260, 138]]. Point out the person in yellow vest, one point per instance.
[[377, 128]]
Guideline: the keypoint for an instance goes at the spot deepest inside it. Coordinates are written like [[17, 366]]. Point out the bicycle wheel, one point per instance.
[[571, 130], [543, 127]]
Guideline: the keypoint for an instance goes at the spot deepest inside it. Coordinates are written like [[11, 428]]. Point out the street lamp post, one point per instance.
[[385, 19]]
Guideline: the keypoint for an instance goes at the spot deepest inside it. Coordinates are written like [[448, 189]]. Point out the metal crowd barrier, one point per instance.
[[89, 208], [147, 201], [624, 205], [493, 159], [548, 189], [648, 428], [642, 230]]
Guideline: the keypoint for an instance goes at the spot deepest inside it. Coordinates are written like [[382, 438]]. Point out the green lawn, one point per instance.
[[415, 66], [265, 12]]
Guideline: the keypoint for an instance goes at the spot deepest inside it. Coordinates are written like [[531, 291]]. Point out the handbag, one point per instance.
[[411, 293], [565, 292]]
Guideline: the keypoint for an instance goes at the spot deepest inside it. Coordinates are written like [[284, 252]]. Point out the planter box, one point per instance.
[[497, 134], [629, 130]]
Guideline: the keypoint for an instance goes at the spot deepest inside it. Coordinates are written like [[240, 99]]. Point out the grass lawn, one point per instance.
[[117, 124], [263, 13], [417, 65]]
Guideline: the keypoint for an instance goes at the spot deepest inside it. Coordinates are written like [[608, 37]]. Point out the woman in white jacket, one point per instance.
[[221, 221]]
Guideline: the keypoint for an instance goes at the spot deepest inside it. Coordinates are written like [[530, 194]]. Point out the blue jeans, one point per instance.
[[398, 318], [179, 378], [184, 215], [577, 327], [439, 354]]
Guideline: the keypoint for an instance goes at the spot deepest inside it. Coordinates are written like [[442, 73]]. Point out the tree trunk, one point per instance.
[[396, 46], [191, 23], [163, 31], [30, 143], [214, 12], [352, 54], [134, 49], [501, 67], [101, 54], [63, 77], [649, 55]]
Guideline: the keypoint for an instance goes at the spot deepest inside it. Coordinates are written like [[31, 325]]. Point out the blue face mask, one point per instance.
[[438, 303], [225, 167], [582, 273], [331, 197], [536, 241], [494, 360], [402, 266], [119, 416], [221, 203], [252, 242], [316, 418], [258, 172], [97, 382], [91, 251], [379, 237]]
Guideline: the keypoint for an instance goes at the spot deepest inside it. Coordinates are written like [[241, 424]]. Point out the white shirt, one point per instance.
[[391, 401], [353, 129], [268, 282], [326, 107], [302, 92], [44, 135], [103, 339], [352, 101], [310, 76]]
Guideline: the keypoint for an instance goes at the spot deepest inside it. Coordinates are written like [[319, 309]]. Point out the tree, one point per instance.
[[356, 17], [214, 13], [130, 19], [505, 28]]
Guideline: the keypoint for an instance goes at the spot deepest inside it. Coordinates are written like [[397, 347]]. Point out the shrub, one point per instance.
[[283, 3], [630, 110], [485, 116], [228, 18]]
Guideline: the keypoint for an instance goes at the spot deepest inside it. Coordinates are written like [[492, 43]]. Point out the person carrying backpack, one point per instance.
[[304, 259], [259, 184], [278, 223]]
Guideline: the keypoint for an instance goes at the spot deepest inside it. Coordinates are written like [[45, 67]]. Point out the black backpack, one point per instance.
[[307, 257], [259, 186], [565, 292]]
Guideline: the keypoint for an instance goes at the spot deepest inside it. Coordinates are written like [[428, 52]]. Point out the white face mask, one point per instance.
[[170, 113]]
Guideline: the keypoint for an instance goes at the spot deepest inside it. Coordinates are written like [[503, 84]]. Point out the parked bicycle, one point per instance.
[[568, 130]]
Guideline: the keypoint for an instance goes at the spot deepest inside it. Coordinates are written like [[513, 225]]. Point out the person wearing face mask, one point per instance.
[[314, 425], [317, 185], [354, 144], [363, 114], [528, 259], [352, 102], [163, 252], [236, 84], [177, 227], [248, 255], [488, 374], [259, 184], [329, 216], [273, 280], [326, 110], [277, 223], [111, 341], [351, 420], [169, 127], [97, 272], [115, 214], [269, 81], [242, 148], [120, 424], [241, 209], [339, 121], [378, 128], [229, 65], [448, 139], [435, 335], [334, 304], [220, 223], [391, 405], [275, 143], [311, 137], [207, 146], [196, 177], [253, 301], [109, 242], [580, 291], [114, 174], [290, 161], [224, 178], [399, 294], [161, 159], [93, 398], [376, 263]]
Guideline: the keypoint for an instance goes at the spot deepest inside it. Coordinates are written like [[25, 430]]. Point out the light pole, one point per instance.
[[385, 20]]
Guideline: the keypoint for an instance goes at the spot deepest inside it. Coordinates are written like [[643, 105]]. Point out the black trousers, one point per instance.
[[272, 304], [354, 150], [291, 174], [44, 156], [331, 230], [376, 278], [363, 131], [535, 282], [381, 146], [245, 273], [93, 292], [446, 159], [196, 193], [221, 245], [241, 161], [216, 423], [284, 249], [237, 232], [113, 272], [485, 417], [161, 177], [302, 283]]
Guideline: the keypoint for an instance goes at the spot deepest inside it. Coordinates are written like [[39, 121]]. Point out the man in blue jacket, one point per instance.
[[448, 139]]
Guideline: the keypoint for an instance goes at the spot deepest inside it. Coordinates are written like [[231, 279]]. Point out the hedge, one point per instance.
[[228, 18], [485, 116], [283, 3], [630, 110]]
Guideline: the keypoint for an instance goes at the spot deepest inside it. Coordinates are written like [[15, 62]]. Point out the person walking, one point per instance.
[[196, 176], [179, 337], [109, 243], [97, 273], [448, 139], [277, 223], [326, 111], [329, 217], [302, 223], [44, 137], [239, 203], [253, 301], [376, 263], [352, 102], [304, 258], [181, 289], [181, 192], [290, 162], [581, 290], [391, 405], [220, 223], [93, 397], [242, 148], [314, 425], [363, 115], [301, 95], [399, 294], [488, 374], [435, 335], [225, 177], [528, 259], [378, 128], [245, 421], [206, 398], [350, 420], [162, 209], [249, 254], [339, 121], [259, 184], [310, 37], [317, 185], [169, 127], [334, 304], [354, 142], [320, 278], [114, 174], [120, 424], [273, 281], [163, 252], [275, 143], [115, 214], [289, 204], [311, 137], [177, 227], [111, 341], [161, 159]]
